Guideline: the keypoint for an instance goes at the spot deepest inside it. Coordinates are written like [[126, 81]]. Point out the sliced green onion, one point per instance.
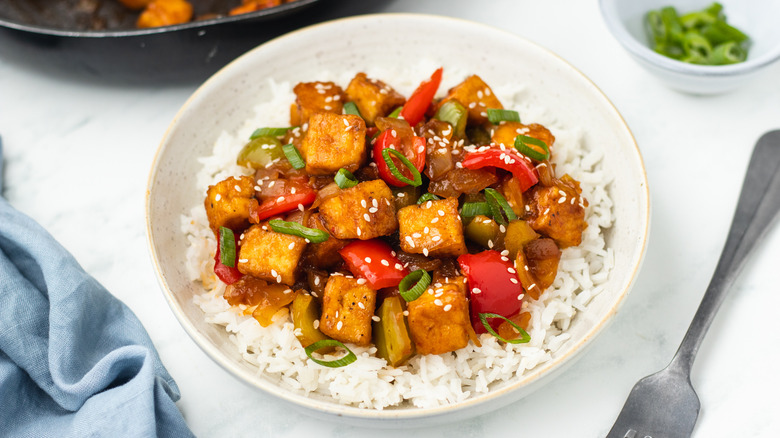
[[345, 179], [654, 27], [293, 156], [721, 32], [471, 209], [396, 112], [496, 115], [524, 336], [522, 142], [727, 53], [455, 114], [337, 363], [499, 207], [227, 247], [271, 132], [695, 44], [414, 284], [417, 181], [296, 229], [427, 197], [351, 108]]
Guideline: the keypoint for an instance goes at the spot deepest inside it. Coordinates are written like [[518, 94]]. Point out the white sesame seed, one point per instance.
[[472, 105], [441, 213], [337, 314], [280, 199], [479, 94], [339, 325], [520, 297], [291, 245], [490, 244], [547, 210], [237, 187], [384, 262], [286, 291], [271, 184], [447, 307], [366, 217], [511, 270], [436, 238], [292, 190], [425, 252], [562, 199], [346, 122], [459, 165], [316, 281], [258, 188], [399, 266], [316, 323], [307, 240], [363, 203], [401, 195], [243, 260], [434, 220], [373, 210], [361, 281], [513, 280], [387, 201], [359, 232], [504, 258], [410, 241], [426, 230], [502, 228], [406, 313], [300, 207], [274, 273], [375, 318], [217, 197], [525, 267], [476, 290], [505, 253], [438, 302], [416, 235], [279, 279], [393, 133], [361, 305], [428, 204]]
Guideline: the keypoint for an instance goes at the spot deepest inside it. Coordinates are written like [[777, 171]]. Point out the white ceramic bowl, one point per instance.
[[228, 98], [757, 18]]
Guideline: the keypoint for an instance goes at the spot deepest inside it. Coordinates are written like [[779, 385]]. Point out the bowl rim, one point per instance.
[[261, 15], [533, 379], [618, 29]]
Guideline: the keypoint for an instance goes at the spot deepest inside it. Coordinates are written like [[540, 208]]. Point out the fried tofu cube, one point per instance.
[[373, 97], [334, 141], [269, 255], [347, 308], [506, 132], [228, 203], [439, 319], [476, 96], [314, 97], [543, 256], [324, 255], [432, 229], [557, 211], [364, 212]]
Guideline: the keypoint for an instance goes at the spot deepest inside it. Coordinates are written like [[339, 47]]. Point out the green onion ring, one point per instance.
[[417, 181], [522, 142], [497, 203], [345, 179], [322, 343], [271, 132], [421, 280], [427, 197], [471, 209], [524, 336], [497, 115], [396, 112], [227, 247], [351, 108], [294, 228], [293, 156]]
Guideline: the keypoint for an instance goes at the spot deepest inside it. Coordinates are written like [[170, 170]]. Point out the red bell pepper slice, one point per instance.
[[282, 204], [503, 159], [493, 287], [374, 261], [415, 107], [225, 273], [415, 154]]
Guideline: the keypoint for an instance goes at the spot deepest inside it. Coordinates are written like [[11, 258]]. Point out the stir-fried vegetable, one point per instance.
[[374, 261], [503, 159], [391, 334], [493, 286]]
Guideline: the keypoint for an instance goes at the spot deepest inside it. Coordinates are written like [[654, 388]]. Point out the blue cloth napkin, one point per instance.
[[74, 360]]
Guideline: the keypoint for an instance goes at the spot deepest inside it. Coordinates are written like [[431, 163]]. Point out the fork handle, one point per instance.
[[758, 205]]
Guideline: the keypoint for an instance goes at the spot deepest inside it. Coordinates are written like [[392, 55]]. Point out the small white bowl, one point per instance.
[[757, 18], [388, 41]]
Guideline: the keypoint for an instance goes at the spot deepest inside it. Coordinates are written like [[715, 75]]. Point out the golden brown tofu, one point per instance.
[[506, 132], [432, 229], [474, 94], [439, 319], [313, 97], [228, 203], [373, 97], [323, 255], [269, 255], [347, 308], [557, 211], [542, 256], [334, 141], [164, 13], [364, 212]]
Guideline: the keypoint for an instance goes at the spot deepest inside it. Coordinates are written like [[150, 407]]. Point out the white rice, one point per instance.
[[425, 381]]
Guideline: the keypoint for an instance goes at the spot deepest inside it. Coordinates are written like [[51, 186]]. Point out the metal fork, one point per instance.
[[664, 404]]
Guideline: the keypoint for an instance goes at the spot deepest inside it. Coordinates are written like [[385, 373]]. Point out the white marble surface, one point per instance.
[[78, 153]]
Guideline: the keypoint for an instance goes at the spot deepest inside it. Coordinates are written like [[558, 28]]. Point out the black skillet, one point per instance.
[[98, 39]]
